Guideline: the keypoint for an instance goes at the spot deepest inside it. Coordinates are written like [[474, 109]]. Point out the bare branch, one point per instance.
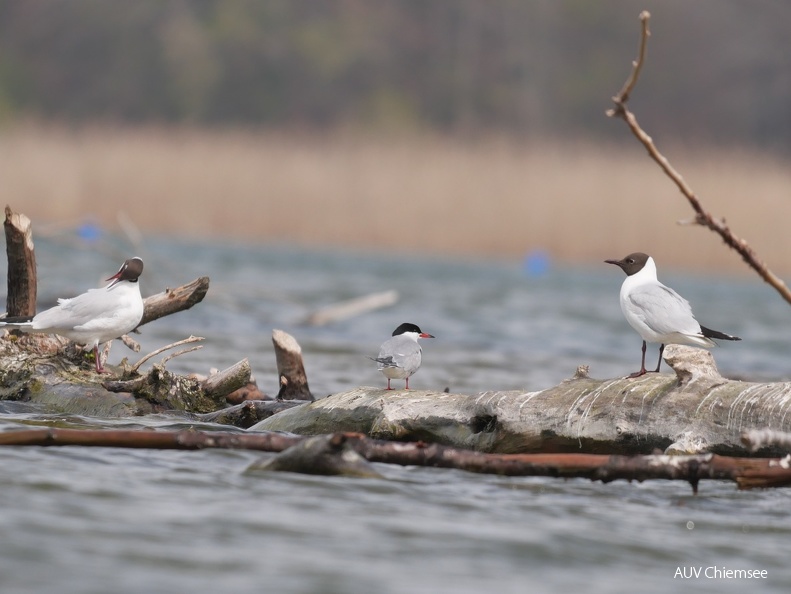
[[702, 217], [191, 339], [179, 353], [637, 65]]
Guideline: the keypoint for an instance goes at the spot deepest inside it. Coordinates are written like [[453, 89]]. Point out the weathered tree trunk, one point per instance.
[[693, 411]]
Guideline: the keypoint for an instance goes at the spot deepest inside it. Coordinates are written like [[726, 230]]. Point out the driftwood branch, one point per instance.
[[174, 300], [351, 308], [747, 473], [22, 283], [702, 216], [757, 439]]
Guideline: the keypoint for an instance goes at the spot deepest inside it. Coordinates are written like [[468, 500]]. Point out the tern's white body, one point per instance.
[[400, 356], [657, 312]]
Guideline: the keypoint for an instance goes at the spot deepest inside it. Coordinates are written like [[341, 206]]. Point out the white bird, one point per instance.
[[400, 356], [657, 312], [95, 317]]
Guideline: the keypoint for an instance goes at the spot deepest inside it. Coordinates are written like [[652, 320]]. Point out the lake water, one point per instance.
[[78, 520]]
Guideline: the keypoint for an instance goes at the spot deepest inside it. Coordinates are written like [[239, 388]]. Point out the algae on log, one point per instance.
[[52, 372], [43, 372], [694, 411]]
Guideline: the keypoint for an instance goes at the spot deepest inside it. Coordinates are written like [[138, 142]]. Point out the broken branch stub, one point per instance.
[[174, 300], [229, 380]]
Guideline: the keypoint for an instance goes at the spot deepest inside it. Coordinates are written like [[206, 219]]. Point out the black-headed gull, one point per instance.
[[95, 317], [657, 312]]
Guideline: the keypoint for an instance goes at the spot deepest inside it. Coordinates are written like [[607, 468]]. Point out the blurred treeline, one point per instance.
[[718, 70]]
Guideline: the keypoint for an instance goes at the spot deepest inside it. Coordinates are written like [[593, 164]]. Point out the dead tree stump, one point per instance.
[[290, 369], [21, 301]]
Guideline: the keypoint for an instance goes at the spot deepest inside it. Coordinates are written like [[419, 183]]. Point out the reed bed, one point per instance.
[[484, 197]]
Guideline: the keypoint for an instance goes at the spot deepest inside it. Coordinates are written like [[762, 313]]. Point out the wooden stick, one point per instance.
[[747, 473], [702, 216], [22, 283]]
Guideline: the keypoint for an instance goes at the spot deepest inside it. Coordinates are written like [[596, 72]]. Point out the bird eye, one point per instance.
[[630, 261]]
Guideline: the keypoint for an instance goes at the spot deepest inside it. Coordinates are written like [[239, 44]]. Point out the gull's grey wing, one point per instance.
[[400, 352], [663, 310]]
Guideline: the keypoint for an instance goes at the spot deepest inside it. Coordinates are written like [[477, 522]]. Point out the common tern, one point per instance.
[[657, 312], [400, 356], [94, 317]]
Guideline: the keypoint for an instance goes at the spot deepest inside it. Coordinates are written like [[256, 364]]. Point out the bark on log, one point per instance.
[[693, 411], [290, 368], [747, 473], [22, 282]]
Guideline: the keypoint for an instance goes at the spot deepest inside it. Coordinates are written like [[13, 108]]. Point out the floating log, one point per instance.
[[692, 411], [324, 455]]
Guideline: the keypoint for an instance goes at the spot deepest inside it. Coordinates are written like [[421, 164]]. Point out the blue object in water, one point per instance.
[[89, 232], [536, 263]]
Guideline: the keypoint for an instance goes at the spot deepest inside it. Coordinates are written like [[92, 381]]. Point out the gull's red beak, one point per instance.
[[426, 335], [115, 278]]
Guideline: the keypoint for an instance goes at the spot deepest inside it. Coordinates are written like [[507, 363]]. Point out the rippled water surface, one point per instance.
[[110, 520]]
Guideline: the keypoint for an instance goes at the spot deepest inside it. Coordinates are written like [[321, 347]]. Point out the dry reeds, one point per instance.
[[482, 197]]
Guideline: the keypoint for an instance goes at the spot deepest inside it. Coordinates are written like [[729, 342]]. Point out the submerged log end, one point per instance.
[[691, 364], [329, 455]]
